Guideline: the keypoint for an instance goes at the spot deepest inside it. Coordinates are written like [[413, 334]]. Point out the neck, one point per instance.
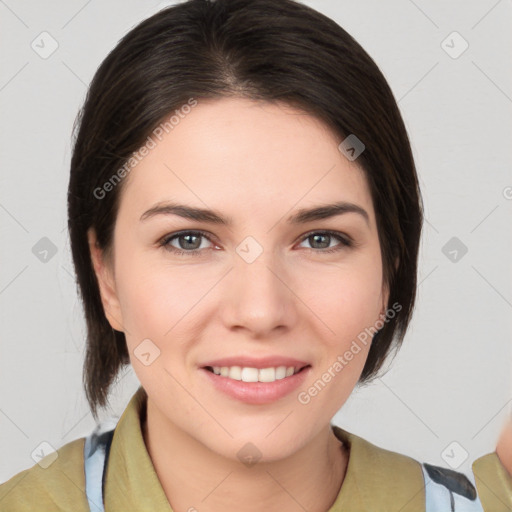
[[195, 478]]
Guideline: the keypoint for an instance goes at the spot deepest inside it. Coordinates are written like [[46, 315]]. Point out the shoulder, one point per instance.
[[56, 483], [382, 479], [377, 460], [493, 482]]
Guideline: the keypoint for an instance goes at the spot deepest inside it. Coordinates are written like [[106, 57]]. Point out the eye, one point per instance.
[[189, 242], [324, 238]]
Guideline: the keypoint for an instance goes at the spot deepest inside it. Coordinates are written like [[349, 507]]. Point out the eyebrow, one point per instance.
[[301, 216]]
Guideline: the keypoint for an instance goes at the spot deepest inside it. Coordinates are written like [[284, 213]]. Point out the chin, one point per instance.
[[258, 448]]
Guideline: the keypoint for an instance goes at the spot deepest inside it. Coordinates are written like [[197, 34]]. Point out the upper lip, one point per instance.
[[251, 362]]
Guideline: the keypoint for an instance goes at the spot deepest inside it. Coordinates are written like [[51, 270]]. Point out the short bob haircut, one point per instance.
[[275, 51]]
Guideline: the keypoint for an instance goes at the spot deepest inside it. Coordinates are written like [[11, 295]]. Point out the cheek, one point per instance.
[[158, 299], [153, 298], [346, 299]]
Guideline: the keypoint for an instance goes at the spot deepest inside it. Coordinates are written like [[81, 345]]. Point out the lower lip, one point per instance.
[[257, 392]]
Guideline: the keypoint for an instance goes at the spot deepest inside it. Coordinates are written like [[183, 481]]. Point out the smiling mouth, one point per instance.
[[248, 374]]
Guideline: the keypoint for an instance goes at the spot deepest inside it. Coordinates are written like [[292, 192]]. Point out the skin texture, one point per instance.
[[257, 163], [504, 447]]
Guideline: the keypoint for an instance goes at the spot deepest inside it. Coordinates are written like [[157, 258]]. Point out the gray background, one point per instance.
[[451, 381]]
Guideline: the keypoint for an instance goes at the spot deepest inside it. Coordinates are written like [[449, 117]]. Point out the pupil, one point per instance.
[[188, 243], [317, 237]]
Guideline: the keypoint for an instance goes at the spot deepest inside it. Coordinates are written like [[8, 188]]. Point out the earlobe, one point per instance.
[[104, 275]]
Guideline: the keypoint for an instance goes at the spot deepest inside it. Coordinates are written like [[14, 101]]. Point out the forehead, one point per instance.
[[256, 156]]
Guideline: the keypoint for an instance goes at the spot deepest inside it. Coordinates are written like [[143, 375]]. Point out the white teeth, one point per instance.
[[235, 372], [280, 372], [248, 374], [267, 375]]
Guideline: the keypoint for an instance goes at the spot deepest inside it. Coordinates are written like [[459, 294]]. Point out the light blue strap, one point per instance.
[[439, 498], [95, 447]]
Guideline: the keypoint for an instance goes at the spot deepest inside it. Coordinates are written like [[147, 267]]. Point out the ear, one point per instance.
[[105, 276], [385, 299], [385, 290]]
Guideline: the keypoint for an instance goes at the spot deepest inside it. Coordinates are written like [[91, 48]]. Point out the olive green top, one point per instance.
[[376, 479]]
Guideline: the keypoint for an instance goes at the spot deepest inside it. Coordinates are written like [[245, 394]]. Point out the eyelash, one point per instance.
[[345, 242]]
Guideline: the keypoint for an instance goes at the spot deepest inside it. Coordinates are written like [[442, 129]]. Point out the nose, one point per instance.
[[258, 297]]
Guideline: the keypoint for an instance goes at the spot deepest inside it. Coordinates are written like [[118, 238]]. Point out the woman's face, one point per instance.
[[251, 285]]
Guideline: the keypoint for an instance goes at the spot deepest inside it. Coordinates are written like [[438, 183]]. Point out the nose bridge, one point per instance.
[[258, 297]]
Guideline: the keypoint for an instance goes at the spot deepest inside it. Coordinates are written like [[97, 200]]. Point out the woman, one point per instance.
[[245, 216]]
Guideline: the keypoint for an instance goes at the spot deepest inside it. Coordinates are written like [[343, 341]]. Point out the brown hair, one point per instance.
[[258, 49]]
